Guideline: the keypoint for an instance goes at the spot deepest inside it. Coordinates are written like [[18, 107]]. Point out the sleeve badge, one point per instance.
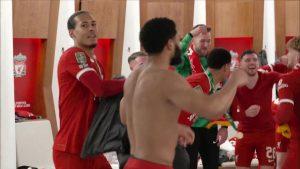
[[81, 60]]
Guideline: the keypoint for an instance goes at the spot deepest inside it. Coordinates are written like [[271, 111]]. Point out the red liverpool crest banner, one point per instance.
[[27, 54]]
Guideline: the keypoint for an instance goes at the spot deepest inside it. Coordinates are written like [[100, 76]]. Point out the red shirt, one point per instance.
[[277, 67], [80, 80], [289, 99], [201, 80], [260, 95]]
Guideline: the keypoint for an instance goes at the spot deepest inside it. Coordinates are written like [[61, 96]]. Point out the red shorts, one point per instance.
[[134, 163], [264, 145], [281, 143], [64, 160], [293, 155]]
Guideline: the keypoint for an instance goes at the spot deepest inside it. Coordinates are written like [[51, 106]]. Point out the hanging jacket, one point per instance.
[[106, 131]]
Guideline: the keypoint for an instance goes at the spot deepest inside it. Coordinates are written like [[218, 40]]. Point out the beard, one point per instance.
[[204, 52], [90, 46], [176, 59]]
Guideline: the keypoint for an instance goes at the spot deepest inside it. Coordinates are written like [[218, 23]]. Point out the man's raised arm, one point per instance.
[[184, 97]]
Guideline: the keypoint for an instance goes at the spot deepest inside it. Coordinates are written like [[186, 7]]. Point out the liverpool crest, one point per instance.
[[20, 65]]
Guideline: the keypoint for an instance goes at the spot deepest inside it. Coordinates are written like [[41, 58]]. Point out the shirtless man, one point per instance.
[[154, 96], [186, 135]]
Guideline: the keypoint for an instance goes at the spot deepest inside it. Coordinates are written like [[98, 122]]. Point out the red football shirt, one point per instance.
[[260, 95], [201, 80], [80, 80], [289, 99]]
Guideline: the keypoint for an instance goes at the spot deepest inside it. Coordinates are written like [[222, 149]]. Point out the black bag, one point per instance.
[[124, 152], [106, 131]]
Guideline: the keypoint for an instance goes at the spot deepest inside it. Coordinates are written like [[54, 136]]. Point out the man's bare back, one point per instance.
[[155, 138]]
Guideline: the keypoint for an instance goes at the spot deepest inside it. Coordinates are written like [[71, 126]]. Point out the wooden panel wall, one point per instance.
[[280, 27], [292, 14], [38, 19], [181, 12], [77, 5], [258, 22], [106, 13], [48, 63], [31, 18], [210, 19], [110, 17], [287, 22], [236, 18]]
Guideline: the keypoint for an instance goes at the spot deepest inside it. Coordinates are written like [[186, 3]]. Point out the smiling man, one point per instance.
[[80, 80], [252, 108]]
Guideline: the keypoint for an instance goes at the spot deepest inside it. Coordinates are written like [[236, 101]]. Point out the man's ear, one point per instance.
[[170, 44], [224, 67], [193, 40], [71, 33]]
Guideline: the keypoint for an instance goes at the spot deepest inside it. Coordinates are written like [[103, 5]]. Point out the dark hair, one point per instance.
[[248, 52], [217, 58], [135, 55], [71, 21], [208, 29], [155, 34]]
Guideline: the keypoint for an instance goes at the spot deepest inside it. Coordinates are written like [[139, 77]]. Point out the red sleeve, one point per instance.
[[277, 67], [79, 65], [194, 79], [286, 102], [199, 80], [77, 62], [101, 88], [280, 68], [187, 118], [274, 76], [267, 68]]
